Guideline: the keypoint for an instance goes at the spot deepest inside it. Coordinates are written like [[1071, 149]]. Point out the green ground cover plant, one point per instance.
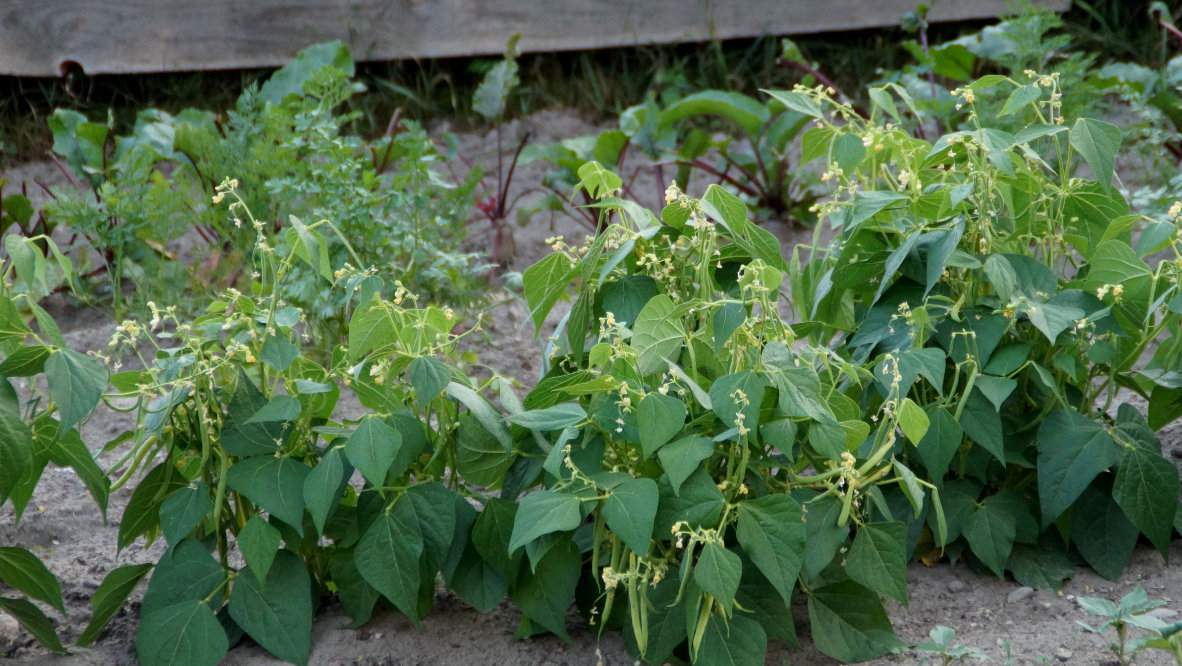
[[285, 142]]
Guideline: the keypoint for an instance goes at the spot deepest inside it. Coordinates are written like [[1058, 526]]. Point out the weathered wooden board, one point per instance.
[[37, 37]]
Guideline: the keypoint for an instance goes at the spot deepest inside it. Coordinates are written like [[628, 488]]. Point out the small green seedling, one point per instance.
[[941, 645], [1132, 611]]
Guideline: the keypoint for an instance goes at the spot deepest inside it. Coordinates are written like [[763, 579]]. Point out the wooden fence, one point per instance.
[[41, 37]]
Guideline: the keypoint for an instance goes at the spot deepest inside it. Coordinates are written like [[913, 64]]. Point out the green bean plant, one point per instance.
[[1023, 304], [47, 390], [1133, 611], [710, 466]]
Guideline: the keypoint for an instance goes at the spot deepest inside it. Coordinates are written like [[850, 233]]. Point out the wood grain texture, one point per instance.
[[126, 36]]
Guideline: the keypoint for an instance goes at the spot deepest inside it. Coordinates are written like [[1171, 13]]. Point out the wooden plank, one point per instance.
[[38, 37]]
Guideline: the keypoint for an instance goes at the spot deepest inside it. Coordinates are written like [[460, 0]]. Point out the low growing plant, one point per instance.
[[1133, 611], [1017, 302]]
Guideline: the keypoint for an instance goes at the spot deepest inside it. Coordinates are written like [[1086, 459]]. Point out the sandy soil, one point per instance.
[[64, 527]]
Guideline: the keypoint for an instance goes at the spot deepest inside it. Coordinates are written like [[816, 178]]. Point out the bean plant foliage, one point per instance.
[[974, 366]]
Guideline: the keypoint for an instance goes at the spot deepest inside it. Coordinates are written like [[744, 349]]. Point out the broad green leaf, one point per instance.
[[544, 283], [34, 621], [630, 510], [278, 352], [727, 319], [25, 361], [744, 111], [110, 596], [1097, 142], [658, 335], [741, 641], [187, 572], [483, 412], [848, 622], [434, 507], [16, 455], [1072, 450], [660, 418], [1102, 533], [183, 511], [1146, 488], [541, 513], [625, 298], [997, 389], [277, 615], [76, 383], [878, 559], [718, 572], [22, 571], [388, 556], [290, 79], [557, 417], [1020, 98], [1042, 567], [823, 536], [186, 633], [698, 503], [278, 409], [990, 531], [491, 533], [259, 542], [358, 597], [429, 376], [913, 421], [738, 393], [982, 424], [68, 450], [372, 448], [681, 458], [324, 484], [240, 438], [483, 460], [796, 101], [493, 92], [940, 443], [142, 514], [546, 596], [275, 484], [771, 531], [477, 582]]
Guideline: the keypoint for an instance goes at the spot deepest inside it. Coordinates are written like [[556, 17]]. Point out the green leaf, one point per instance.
[[110, 596], [682, 458], [981, 422], [718, 572], [68, 450], [848, 152], [184, 510], [1043, 567], [494, 89], [698, 503], [324, 485], [16, 455], [76, 383], [740, 109], [1072, 450], [187, 572], [434, 506], [184, 634], [1102, 533], [630, 509], [358, 597], [372, 448], [277, 615], [738, 393], [388, 556], [1020, 98], [727, 320], [275, 484], [878, 559], [941, 442], [990, 531], [741, 641], [625, 298], [1146, 488], [22, 571], [823, 536], [848, 622], [557, 417], [142, 514], [259, 542], [913, 421], [796, 102], [279, 353], [544, 283], [996, 389], [25, 361], [482, 458], [429, 376], [238, 436], [546, 596], [491, 533], [541, 513], [290, 79], [278, 409], [477, 582], [771, 531], [1097, 142], [483, 412], [658, 335], [34, 621], [660, 418]]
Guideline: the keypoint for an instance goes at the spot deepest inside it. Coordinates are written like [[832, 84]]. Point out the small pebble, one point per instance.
[[10, 632], [1063, 654], [1019, 594], [955, 585]]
